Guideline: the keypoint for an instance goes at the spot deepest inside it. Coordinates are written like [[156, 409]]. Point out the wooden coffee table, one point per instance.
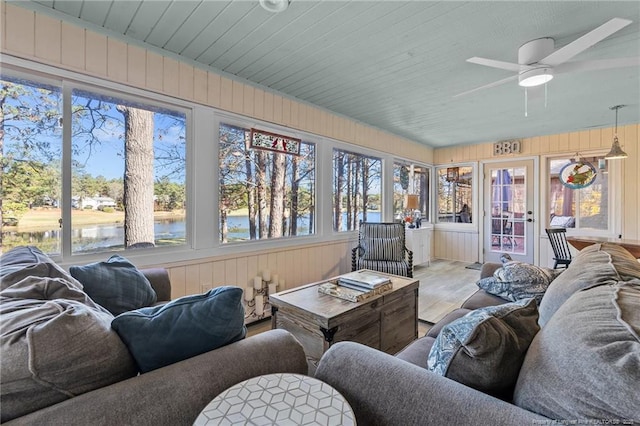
[[387, 322]]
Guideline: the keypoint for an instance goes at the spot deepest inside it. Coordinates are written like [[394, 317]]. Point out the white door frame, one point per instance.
[[536, 206]]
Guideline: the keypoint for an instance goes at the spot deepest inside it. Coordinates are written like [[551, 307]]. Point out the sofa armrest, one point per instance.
[[176, 394], [159, 279], [384, 390], [488, 268]]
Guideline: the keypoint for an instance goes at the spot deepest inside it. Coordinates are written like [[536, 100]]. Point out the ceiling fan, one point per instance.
[[538, 61]]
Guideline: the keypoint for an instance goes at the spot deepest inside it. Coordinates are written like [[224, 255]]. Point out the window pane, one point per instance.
[[410, 179], [579, 208], [31, 146], [455, 186], [128, 174], [264, 194], [356, 190]]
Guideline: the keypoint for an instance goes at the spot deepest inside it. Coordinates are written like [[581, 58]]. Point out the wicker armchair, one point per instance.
[[381, 247]]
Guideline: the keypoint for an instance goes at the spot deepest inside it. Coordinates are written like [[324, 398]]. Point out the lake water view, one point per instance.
[[167, 232]]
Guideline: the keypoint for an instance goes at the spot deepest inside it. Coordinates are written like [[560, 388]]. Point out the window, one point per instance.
[[409, 178], [264, 194], [357, 181], [127, 170], [455, 193], [579, 208], [31, 146]]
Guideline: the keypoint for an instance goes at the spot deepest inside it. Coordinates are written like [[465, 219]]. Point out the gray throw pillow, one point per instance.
[[182, 328], [56, 344], [485, 348], [585, 362], [517, 280], [25, 261], [383, 249], [116, 284]]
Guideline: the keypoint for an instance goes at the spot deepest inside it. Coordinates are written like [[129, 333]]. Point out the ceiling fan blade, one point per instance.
[[586, 41], [487, 86], [599, 64], [495, 64]]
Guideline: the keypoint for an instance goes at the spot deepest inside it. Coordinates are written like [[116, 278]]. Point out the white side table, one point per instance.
[[278, 399]]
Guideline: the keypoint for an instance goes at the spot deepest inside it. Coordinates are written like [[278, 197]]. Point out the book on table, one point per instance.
[[363, 279], [352, 294]]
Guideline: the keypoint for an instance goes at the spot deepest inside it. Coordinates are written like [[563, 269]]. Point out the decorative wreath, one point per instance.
[[578, 174]]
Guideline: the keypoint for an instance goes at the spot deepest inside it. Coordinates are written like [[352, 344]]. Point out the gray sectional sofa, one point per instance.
[[582, 366], [93, 380]]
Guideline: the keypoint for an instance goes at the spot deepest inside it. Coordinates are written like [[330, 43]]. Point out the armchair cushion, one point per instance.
[[390, 249], [485, 348]]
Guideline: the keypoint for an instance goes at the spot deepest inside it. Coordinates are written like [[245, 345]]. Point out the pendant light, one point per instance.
[[616, 152]]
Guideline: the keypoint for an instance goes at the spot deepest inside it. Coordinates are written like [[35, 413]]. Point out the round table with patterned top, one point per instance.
[[278, 399]]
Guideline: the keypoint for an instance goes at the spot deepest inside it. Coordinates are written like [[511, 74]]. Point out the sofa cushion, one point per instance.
[[56, 343], [518, 280], [482, 299], [182, 328], [115, 284], [414, 352], [383, 249], [585, 363], [485, 348], [595, 265], [25, 261], [447, 319]]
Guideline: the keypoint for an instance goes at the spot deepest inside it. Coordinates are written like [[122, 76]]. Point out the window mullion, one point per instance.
[[66, 171]]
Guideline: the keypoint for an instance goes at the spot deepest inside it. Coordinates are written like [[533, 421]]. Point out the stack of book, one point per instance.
[[357, 286]]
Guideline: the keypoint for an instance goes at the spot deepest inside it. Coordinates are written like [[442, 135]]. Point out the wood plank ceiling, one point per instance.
[[395, 65]]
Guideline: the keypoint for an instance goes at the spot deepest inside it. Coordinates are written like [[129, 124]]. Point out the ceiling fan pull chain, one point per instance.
[[526, 102], [545, 95]]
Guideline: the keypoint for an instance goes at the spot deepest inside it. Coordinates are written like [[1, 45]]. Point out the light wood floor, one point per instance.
[[444, 286]]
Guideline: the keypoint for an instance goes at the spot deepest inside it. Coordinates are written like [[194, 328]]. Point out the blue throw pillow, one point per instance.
[[182, 328], [117, 285]]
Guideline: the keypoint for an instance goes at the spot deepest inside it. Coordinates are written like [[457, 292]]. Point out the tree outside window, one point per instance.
[[264, 194], [410, 178], [455, 194], [357, 182], [127, 170]]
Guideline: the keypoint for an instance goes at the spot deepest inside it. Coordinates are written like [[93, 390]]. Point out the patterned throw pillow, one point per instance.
[[117, 285], [517, 280], [485, 348], [383, 249], [182, 328]]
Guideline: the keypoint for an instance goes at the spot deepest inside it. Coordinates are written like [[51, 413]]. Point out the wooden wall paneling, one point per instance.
[[263, 263], [554, 143], [285, 259], [192, 280], [226, 93], [286, 112], [136, 66], [584, 140], [48, 38], [574, 141], [268, 106], [230, 271], [214, 89], [545, 142], [72, 42], [237, 96], [258, 103], [252, 268], [19, 30], [95, 54], [631, 203], [302, 116], [595, 138], [3, 25], [248, 99], [170, 77], [219, 276], [200, 85], [563, 142], [295, 116], [243, 277], [116, 59], [178, 282], [154, 71], [205, 274], [277, 109], [185, 84], [532, 145]]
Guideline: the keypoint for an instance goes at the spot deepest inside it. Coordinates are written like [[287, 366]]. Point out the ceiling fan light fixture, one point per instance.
[[535, 77], [275, 6], [616, 151]]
